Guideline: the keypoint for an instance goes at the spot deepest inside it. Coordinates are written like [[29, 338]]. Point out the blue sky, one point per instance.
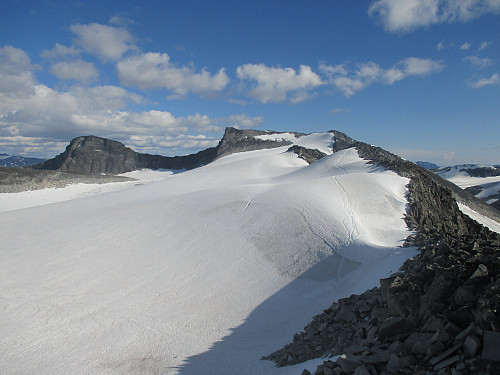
[[420, 78]]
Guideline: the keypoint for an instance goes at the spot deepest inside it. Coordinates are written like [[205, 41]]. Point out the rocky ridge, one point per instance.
[[96, 155], [438, 314]]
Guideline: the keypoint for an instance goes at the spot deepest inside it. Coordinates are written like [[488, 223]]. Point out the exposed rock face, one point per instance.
[[91, 154], [307, 154], [439, 314]]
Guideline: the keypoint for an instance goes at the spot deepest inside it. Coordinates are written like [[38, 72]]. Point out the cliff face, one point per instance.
[[93, 155]]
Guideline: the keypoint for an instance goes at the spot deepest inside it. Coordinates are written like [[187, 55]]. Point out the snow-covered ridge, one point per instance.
[[204, 271]]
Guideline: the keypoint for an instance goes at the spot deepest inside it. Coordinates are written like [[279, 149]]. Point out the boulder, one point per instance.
[[491, 346]]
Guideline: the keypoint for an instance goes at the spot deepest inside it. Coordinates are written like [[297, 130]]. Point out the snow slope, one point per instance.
[[202, 272], [31, 198]]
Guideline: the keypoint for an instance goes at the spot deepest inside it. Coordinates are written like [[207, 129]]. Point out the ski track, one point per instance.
[[351, 229]]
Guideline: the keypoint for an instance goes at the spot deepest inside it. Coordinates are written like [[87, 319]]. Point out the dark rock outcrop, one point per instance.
[[307, 154], [438, 314]]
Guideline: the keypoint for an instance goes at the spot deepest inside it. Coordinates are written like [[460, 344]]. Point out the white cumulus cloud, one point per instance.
[[155, 70], [108, 42], [406, 15], [78, 70], [274, 84]]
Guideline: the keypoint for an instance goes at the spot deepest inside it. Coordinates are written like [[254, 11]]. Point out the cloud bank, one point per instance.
[[43, 119]]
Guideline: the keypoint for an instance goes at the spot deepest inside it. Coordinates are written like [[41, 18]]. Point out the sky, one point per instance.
[[420, 78]]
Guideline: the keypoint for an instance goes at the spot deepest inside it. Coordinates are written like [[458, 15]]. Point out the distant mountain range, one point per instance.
[[7, 160], [427, 165], [91, 154]]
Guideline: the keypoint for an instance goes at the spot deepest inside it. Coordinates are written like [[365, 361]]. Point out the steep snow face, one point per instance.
[[203, 272]]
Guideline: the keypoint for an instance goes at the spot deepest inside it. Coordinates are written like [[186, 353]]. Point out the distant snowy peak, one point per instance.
[[483, 181], [17, 161], [473, 170]]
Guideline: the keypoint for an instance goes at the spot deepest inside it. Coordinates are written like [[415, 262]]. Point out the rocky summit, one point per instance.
[[91, 154]]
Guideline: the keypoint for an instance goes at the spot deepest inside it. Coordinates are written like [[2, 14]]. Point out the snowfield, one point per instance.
[[203, 271]]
